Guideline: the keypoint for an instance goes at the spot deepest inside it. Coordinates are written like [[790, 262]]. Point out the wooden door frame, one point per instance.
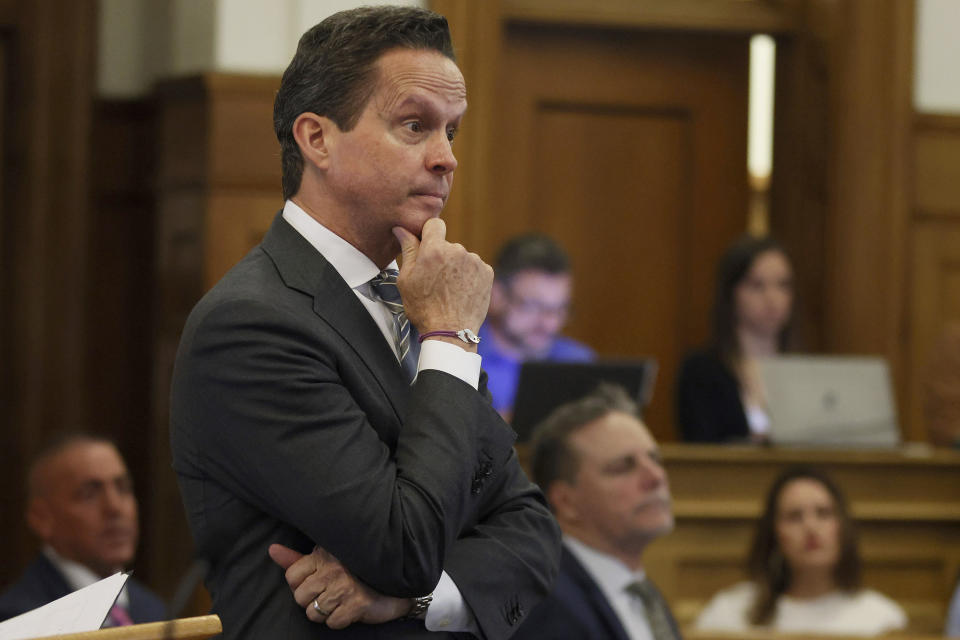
[[841, 184]]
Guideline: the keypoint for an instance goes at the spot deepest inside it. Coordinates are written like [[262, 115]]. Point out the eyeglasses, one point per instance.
[[532, 306]]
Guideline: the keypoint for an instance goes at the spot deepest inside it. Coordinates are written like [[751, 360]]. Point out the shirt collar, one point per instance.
[[608, 572], [78, 576], [354, 267]]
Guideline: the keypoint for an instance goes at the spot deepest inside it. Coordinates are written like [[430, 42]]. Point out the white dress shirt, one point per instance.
[[449, 611], [78, 576], [862, 613], [613, 577]]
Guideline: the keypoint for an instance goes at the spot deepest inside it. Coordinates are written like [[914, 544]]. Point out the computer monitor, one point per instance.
[[543, 386], [830, 400]]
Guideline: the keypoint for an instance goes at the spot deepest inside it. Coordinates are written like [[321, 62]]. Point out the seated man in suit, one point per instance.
[[529, 305], [601, 471], [81, 506]]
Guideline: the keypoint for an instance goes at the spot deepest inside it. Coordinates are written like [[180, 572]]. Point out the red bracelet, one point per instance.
[[464, 334]]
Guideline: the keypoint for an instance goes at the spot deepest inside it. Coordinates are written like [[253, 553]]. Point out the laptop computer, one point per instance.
[[830, 401], [543, 386]]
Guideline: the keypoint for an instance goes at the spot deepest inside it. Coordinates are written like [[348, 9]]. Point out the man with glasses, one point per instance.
[[529, 306]]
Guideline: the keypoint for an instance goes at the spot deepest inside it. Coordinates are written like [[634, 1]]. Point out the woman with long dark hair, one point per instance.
[[719, 394], [804, 568]]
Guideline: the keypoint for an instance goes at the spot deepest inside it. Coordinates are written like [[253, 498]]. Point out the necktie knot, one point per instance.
[[384, 285]]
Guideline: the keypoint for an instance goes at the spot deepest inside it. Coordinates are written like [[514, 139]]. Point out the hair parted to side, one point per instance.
[[552, 457], [530, 252], [733, 267], [333, 72], [766, 563]]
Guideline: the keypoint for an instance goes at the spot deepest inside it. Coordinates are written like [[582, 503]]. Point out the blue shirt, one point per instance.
[[504, 370], [953, 616]]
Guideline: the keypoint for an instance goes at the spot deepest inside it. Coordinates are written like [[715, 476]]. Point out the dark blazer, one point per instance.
[[42, 583], [709, 407], [286, 413], [576, 610]]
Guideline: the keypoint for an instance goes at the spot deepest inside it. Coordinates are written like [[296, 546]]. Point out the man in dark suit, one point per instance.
[[300, 412], [81, 506], [601, 471]]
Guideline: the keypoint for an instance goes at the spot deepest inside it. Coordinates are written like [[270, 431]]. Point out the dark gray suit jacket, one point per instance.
[[291, 422]]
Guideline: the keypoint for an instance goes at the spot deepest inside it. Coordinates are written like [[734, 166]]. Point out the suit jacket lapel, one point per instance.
[[593, 595], [303, 268]]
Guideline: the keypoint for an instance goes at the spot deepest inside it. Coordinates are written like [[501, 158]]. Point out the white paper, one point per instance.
[[82, 610]]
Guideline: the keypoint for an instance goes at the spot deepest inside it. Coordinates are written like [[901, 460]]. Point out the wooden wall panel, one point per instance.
[[934, 302], [936, 169], [236, 221], [47, 87], [121, 297], [636, 163]]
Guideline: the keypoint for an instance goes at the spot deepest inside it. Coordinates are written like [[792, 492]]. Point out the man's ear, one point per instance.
[[314, 135], [40, 518], [560, 495]]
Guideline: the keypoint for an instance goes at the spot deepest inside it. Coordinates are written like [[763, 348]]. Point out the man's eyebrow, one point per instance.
[[414, 100]]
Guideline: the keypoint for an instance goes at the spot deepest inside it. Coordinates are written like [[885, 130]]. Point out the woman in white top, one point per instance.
[[805, 569]]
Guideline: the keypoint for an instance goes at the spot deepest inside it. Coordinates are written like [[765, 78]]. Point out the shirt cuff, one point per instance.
[[449, 358], [449, 611]]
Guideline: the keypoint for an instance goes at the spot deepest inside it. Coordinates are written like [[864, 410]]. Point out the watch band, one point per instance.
[[464, 334]]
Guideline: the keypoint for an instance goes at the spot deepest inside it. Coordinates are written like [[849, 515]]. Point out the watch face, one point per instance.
[[468, 336]]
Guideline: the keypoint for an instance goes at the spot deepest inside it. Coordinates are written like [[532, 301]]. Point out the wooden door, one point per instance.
[[629, 148]]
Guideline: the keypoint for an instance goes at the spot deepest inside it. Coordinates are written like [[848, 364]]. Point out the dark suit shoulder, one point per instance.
[[39, 584], [576, 609]]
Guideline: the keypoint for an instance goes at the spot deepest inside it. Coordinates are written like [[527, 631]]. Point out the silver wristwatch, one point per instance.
[[419, 607]]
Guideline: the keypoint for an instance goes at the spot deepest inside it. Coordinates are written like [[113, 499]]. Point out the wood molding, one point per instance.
[[936, 171], [869, 208], [700, 15], [476, 29], [934, 295]]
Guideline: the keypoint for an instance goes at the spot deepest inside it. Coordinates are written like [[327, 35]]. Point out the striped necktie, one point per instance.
[[384, 286], [118, 617], [658, 614]]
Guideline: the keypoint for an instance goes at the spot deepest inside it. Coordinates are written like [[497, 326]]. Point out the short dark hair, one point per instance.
[[733, 267], [530, 252], [766, 564], [55, 443], [333, 72], [552, 458]]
